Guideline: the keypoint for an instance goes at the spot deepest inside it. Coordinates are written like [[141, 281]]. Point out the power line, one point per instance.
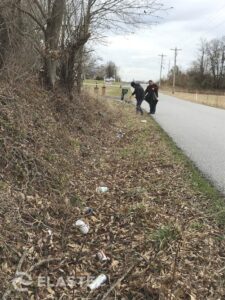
[[161, 66], [168, 66], [174, 67]]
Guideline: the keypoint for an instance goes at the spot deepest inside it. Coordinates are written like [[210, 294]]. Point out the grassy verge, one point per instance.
[[206, 99], [176, 207]]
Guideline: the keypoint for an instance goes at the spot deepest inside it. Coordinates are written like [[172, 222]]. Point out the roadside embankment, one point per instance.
[[157, 223]]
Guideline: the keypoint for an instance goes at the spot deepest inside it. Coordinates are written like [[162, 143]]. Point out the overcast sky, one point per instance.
[[136, 55]]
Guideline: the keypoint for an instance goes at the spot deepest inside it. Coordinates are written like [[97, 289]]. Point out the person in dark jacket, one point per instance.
[[151, 96], [139, 94]]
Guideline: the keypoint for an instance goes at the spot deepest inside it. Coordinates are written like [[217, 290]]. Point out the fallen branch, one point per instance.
[[175, 268], [43, 262], [105, 296], [221, 270], [19, 267]]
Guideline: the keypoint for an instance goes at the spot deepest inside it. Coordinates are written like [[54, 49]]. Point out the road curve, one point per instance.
[[199, 131]]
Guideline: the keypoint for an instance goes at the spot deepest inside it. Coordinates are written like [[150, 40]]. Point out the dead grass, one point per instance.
[[54, 154], [206, 99]]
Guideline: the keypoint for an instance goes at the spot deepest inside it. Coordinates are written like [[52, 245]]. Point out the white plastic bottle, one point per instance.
[[97, 282], [102, 189]]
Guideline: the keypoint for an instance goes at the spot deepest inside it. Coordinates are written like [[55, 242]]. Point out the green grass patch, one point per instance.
[[135, 192], [138, 208], [197, 226], [163, 236], [134, 152]]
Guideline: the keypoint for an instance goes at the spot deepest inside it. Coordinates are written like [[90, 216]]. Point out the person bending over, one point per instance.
[[139, 94]]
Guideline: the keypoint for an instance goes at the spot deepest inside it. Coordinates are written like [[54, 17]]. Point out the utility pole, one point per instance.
[[161, 66], [174, 67], [168, 68]]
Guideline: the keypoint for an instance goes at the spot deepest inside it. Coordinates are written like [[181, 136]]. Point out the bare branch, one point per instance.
[[33, 18], [40, 9]]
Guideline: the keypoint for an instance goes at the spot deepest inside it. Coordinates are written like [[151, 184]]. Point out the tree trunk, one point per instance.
[[54, 25], [71, 64], [4, 38], [79, 70]]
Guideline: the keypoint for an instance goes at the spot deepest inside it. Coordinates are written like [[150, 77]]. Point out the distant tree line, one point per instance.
[[207, 71], [51, 36], [93, 69]]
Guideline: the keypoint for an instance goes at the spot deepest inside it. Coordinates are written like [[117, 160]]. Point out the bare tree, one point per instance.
[[216, 54], [76, 35], [89, 19], [15, 60], [52, 35], [92, 66], [4, 40], [111, 70], [10, 23], [61, 29], [47, 16], [203, 59]]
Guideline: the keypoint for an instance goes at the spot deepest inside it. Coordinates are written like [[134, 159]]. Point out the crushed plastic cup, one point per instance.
[[88, 211], [102, 189], [83, 227], [97, 282], [101, 256], [120, 135]]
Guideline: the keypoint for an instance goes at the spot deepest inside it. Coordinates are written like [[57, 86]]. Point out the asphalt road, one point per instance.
[[199, 131]]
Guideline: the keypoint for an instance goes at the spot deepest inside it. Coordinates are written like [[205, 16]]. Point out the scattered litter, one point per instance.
[[97, 282], [120, 134], [94, 219], [51, 237], [101, 256], [143, 121], [84, 228], [88, 211], [102, 189]]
